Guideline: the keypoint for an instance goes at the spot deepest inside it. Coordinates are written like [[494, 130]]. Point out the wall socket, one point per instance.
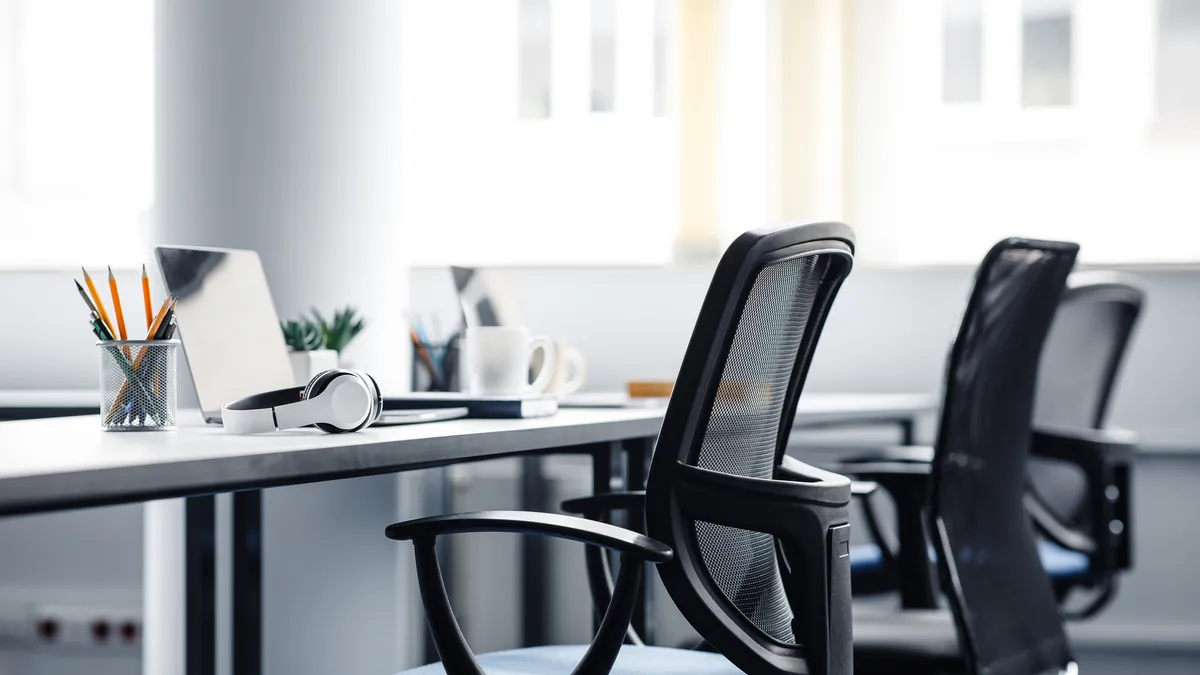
[[70, 627]]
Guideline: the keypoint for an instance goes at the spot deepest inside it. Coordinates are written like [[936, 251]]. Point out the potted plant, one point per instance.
[[338, 333], [307, 354]]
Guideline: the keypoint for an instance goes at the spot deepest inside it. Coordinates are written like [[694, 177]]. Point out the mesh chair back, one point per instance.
[[1001, 598], [731, 413], [1080, 362]]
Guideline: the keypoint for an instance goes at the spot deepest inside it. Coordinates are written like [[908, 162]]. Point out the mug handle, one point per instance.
[[573, 359], [547, 370]]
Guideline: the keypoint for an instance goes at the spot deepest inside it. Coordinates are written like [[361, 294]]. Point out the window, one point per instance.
[[962, 53], [76, 130], [534, 42], [541, 143], [1056, 140], [1178, 85], [604, 55], [1046, 53]]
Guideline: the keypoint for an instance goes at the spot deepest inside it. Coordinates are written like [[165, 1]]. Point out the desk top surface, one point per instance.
[[59, 463]]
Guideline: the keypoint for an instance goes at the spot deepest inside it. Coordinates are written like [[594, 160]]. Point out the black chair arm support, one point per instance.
[[809, 517], [905, 475], [895, 453], [599, 568], [1105, 456], [1084, 447], [456, 655]]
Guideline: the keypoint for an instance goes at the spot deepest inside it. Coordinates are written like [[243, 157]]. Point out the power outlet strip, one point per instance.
[[70, 627]]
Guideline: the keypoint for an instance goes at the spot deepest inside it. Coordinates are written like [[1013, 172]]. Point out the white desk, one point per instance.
[[50, 464], [53, 464], [65, 463]]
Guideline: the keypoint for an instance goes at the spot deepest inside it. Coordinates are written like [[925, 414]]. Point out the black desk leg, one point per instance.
[[437, 497], [247, 582], [534, 604], [606, 463], [908, 431], [637, 462], [200, 574]]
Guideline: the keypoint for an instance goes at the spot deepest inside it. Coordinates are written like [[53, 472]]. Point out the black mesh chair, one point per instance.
[[1079, 492], [718, 501], [1079, 474], [1005, 615]]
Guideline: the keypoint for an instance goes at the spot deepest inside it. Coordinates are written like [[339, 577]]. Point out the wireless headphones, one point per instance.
[[337, 401]]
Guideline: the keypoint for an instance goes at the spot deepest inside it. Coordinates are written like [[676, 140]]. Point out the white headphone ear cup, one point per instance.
[[349, 408], [376, 397], [349, 402]]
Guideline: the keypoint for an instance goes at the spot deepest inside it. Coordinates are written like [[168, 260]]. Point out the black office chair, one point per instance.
[[1080, 492], [1080, 472], [1005, 615], [718, 501]]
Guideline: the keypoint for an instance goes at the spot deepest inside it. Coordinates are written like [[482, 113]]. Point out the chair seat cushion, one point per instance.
[[864, 557], [561, 659], [1060, 563]]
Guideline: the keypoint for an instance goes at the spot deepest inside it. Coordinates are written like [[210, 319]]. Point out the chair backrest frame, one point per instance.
[[808, 519], [987, 553]]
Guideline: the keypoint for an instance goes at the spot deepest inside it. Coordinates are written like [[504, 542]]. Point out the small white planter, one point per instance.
[[306, 365]]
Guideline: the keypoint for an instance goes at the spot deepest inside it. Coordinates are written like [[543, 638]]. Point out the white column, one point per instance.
[[278, 131]]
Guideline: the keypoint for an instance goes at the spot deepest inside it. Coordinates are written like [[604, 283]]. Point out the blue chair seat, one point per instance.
[[1060, 563], [560, 659]]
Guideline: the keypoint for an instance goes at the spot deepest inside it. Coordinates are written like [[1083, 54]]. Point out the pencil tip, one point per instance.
[[110, 271], [143, 269]]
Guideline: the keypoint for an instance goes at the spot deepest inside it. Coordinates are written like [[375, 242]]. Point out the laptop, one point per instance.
[[230, 330]]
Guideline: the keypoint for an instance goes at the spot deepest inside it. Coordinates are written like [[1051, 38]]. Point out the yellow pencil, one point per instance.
[[112, 286], [87, 278], [146, 297], [168, 303]]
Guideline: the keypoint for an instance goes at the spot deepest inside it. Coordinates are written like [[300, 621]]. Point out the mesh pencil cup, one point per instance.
[[137, 385]]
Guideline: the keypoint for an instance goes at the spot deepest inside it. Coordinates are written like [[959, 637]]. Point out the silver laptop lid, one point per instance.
[[227, 322]]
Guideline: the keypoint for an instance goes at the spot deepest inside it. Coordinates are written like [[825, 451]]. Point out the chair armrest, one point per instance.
[[792, 469], [905, 474], [452, 646], [863, 488], [633, 500], [529, 522], [896, 453], [1084, 446], [1105, 456]]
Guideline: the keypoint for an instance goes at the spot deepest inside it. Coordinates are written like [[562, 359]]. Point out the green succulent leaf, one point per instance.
[[301, 335], [337, 334]]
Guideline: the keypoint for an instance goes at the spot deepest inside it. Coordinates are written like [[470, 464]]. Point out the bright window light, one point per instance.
[[76, 130]]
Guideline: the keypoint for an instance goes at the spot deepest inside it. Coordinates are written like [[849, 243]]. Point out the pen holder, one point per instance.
[[137, 385]]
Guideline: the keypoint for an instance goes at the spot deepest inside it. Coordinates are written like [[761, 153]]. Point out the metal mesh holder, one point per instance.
[[137, 385]]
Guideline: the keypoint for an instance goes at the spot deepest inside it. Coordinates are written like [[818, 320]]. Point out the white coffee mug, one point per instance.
[[497, 358], [569, 369]]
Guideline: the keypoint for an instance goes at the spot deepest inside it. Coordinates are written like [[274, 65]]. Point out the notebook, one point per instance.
[[493, 407]]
